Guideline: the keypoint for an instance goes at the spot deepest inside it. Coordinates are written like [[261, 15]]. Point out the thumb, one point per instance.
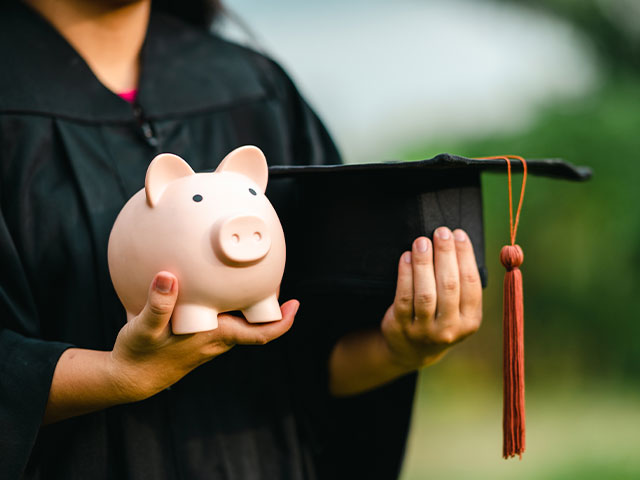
[[160, 301]]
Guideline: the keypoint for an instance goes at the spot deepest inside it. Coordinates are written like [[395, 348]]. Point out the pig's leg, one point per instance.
[[191, 318], [267, 310]]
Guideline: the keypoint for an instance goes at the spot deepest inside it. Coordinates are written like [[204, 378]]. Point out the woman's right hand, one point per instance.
[[147, 357]]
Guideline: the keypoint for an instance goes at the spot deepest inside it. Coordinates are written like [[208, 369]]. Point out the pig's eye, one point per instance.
[[252, 191], [197, 198]]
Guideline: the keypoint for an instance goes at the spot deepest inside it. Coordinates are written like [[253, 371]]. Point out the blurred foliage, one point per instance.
[[612, 25], [581, 240], [581, 279], [585, 433]]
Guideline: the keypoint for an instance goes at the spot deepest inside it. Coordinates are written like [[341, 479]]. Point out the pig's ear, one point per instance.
[[248, 161], [163, 170]]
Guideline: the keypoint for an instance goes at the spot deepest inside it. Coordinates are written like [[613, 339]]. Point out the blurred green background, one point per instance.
[[582, 326], [579, 62], [582, 299]]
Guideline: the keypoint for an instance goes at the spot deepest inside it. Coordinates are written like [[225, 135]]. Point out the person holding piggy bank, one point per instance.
[[90, 92]]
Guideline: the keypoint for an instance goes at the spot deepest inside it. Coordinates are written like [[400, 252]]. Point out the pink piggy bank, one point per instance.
[[216, 232]]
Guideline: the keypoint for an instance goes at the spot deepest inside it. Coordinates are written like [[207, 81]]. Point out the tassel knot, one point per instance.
[[511, 256]]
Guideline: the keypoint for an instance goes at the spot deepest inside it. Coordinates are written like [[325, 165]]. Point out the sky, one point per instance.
[[386, 76]]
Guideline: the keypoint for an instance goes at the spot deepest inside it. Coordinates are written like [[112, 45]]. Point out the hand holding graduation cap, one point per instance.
[[438, 302], [438, 299]]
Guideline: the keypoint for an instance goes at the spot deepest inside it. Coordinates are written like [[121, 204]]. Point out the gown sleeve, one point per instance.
[[27, 363]]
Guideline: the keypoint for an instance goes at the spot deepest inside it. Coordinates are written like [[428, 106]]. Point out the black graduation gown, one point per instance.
[[71, 154]]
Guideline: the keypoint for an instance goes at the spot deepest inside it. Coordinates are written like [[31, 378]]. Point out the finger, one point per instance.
[[424, 282], [447, 276], [470, 285], [161, 299], [236, 330], [403, 302]]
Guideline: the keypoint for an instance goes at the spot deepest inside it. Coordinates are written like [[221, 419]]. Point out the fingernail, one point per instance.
[[422, 245], [163, 284], [459, 235], [443, 233], [406, 256]]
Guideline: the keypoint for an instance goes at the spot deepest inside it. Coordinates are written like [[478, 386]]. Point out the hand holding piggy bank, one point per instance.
[[216, 232]]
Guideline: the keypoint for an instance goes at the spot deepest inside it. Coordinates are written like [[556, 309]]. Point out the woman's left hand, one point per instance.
[[438, 299]]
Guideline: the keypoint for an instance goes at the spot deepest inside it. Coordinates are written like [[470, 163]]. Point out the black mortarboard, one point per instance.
[[346, 227]]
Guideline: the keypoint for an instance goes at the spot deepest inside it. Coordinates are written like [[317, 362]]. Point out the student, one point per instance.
[[90, 92]]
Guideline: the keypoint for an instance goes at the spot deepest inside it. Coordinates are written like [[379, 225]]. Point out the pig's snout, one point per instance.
[[241, 239]]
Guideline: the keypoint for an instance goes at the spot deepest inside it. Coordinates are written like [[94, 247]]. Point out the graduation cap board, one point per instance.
[[347, 225], [354, 221]]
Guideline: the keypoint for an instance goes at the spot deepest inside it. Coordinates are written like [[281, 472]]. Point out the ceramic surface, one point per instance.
[[216, 232]]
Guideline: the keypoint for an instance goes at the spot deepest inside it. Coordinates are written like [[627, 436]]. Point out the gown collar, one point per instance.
[[184, 70]]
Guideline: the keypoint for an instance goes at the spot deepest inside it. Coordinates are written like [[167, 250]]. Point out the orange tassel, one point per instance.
[[511, 256], [513, 417]]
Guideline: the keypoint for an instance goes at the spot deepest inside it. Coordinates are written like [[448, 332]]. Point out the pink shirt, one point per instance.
[[129, 95]]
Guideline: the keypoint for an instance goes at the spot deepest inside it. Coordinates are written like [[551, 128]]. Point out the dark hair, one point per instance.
[[201, 13]]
